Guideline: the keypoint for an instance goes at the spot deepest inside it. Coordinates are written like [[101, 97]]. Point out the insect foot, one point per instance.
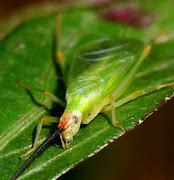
[[120, 126]]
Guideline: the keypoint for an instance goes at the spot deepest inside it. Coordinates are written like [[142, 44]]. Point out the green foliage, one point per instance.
[[27, 55]]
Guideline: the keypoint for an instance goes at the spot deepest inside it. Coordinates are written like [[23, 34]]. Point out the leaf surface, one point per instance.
[[27, 55]]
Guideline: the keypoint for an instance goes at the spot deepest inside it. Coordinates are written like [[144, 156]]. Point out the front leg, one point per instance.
[[44, 121]]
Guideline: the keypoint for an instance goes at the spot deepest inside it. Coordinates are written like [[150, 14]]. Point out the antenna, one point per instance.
[[40, 149]]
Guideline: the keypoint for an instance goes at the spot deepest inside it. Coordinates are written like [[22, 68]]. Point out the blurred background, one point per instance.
[[145, 153]]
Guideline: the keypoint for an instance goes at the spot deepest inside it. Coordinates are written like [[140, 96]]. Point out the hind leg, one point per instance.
[[136, 94]]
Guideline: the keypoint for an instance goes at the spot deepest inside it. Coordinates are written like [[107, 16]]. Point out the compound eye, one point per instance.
[[75, 118]]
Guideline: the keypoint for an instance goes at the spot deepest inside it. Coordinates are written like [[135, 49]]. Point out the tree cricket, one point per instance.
[[107, 68]]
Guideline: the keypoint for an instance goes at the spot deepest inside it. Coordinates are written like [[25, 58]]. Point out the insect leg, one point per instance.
[[137, 94], [47, 94], [114, 120], [54, 98], [44, 121]]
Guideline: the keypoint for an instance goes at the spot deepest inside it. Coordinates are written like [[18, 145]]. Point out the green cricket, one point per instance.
[[108, 67]]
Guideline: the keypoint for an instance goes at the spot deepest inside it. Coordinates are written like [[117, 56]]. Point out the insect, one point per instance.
[[100, 73], [108, 69]]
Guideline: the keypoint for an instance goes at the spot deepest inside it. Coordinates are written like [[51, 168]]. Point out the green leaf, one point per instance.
[[27, 55]]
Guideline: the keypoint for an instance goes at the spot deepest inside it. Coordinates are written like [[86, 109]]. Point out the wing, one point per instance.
[[103, 65]]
